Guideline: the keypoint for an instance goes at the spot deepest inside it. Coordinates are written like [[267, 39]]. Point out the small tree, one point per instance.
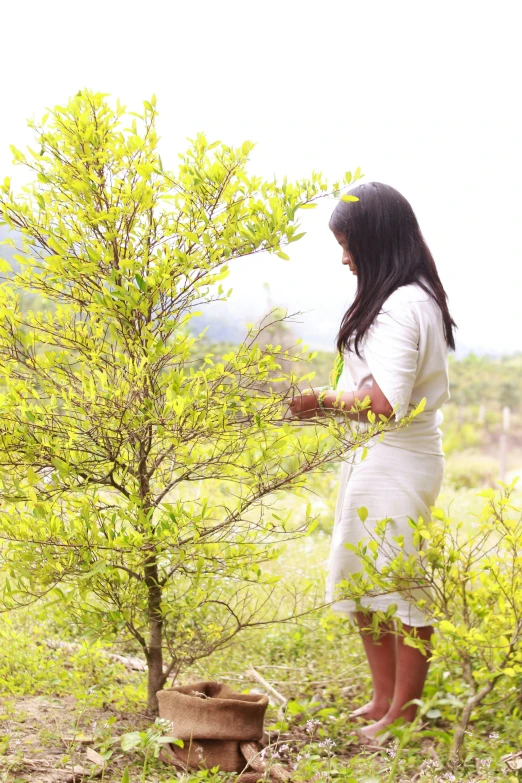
[[467, 575], [111, 427]]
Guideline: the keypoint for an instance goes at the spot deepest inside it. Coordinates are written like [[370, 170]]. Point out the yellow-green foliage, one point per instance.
[[483, 380], [467, 575], [110, 417]]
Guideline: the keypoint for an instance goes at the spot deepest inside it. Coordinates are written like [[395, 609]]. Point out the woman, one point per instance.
[[395, 339]]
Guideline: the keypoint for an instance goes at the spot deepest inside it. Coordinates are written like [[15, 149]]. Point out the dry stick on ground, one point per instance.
[[131, 663], [252, 674], [80, 773]]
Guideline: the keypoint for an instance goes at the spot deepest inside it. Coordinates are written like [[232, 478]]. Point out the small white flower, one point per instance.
[[327, 743], [429, 764], [164, 724]]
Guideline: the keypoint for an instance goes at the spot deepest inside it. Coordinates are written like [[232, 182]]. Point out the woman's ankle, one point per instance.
[[394, 713], [382, 701]]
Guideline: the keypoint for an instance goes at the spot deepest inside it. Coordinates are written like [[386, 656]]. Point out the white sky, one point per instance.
[[421, 95]]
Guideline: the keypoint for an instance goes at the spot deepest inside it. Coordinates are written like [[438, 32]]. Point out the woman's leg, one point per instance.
[[411, 671], [382, 660]]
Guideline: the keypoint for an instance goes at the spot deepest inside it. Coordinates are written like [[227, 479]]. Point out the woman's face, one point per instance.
[[347, 258]]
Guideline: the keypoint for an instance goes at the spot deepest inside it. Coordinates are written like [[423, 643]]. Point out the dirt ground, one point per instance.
[[49, 740]]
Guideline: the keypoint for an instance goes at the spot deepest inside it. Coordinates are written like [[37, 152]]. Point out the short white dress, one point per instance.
[[405, 352]]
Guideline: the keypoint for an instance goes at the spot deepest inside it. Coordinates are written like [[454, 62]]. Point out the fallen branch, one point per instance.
[[252, 674], [79, 773], [513, 761], [130, 662]]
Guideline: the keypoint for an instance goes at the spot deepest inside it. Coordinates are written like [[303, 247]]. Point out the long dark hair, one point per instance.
[[386, 243]]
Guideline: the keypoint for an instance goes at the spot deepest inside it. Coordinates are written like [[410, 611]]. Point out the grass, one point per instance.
[[56, 703]]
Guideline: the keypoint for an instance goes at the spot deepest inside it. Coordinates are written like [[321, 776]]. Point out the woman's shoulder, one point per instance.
[[404, 296]]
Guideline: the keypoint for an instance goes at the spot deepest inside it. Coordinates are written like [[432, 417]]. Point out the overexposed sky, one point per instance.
[[421, 95]]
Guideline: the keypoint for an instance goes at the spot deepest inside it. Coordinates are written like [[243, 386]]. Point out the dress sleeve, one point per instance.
[[391, 350]]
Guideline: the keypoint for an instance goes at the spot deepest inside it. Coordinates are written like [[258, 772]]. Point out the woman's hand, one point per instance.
[[306, 405]]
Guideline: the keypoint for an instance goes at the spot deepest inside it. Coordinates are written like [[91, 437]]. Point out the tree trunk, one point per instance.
[[458, 737], [154, 653]]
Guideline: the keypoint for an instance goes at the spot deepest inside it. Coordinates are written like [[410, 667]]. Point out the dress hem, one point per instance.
[[348, 608]]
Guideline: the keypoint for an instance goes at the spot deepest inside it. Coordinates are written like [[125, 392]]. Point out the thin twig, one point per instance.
[[252, 674]]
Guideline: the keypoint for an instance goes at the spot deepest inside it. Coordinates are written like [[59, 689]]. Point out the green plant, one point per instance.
[[150, 741], [469, 469], [114, 436], [469, 579], [85, 671]]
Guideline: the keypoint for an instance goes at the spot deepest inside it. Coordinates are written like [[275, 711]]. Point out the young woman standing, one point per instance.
[[394, 339]]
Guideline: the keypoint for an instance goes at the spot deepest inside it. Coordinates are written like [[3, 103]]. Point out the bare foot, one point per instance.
[[377, 730], [371, 711]]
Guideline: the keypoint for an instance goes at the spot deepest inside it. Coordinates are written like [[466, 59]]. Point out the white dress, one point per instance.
[[406, 353]]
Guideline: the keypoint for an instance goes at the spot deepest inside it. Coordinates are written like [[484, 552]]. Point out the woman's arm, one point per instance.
[[305, 406]]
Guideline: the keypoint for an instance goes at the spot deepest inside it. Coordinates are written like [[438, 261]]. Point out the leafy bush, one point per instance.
[[469, 469], [468, 577]]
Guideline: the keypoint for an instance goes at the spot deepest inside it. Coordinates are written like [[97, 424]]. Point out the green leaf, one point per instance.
[[125, 777], [410, 642], [131, 740], [171, 741], [142, 285], [294, 707], [420, 407], [362, 513], [348, 197]]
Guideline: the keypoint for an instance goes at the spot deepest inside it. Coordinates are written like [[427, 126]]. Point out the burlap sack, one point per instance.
[[212, 720]]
